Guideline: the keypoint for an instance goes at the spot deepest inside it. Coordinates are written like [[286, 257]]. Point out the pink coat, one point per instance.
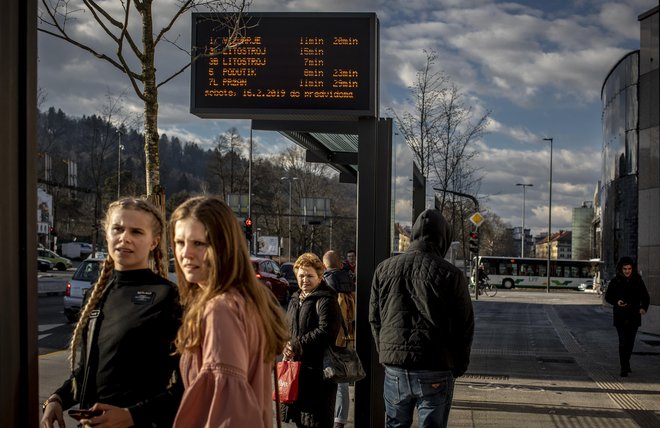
[[227, 384]]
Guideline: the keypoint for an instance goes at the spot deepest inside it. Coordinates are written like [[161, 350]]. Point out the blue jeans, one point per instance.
[[342, 403], [430, 391]]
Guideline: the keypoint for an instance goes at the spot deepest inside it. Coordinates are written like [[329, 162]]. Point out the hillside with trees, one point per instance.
[[95, 145]]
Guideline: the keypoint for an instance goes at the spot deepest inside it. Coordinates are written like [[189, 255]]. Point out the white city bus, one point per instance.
[[509, 272]]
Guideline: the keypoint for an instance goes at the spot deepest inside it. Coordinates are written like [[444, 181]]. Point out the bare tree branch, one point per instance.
[[55, 14]]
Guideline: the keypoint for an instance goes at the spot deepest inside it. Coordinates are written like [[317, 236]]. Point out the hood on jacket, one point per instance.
[[431, 233], [625, 261]]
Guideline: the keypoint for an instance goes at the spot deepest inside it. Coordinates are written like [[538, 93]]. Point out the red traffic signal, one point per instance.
[[474, 242], [248, 222]]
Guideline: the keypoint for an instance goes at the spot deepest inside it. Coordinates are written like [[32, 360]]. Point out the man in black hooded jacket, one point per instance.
[[630, 300], [422, 322]]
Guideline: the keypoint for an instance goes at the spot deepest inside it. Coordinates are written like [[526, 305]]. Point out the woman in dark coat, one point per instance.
[[630, 300], [314, 320]]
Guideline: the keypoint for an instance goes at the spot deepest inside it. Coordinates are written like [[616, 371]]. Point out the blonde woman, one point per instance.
[[232, 327], [314, 319], [121, 350]]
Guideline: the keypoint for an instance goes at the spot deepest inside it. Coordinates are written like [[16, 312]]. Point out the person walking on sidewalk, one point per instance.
[[630, 300], [125, 334], [341, 281], [422, 322], [232, 326]]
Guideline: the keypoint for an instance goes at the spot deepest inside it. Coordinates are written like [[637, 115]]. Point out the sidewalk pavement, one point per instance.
[[538, 360]]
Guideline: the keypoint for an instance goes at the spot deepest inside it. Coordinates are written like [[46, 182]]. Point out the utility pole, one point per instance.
[[290, 180], [547, 287]]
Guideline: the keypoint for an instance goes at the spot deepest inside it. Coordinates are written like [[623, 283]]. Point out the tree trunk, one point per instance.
[[151, 137]]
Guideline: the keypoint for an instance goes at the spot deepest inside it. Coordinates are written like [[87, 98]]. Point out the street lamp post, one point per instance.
[[290, 180], [119, 148], [522, 239], [547, 287]]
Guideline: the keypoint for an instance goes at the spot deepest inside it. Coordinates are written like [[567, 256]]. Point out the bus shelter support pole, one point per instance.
[[373, 246]]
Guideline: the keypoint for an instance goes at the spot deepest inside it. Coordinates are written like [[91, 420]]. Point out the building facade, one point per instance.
[[629, 196], [582, 230], [560, 246], [517, 234], [648, 255], [618, 194]]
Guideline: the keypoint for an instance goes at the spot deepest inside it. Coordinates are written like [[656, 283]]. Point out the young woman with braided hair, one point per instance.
[[122, 359], [232, 327]]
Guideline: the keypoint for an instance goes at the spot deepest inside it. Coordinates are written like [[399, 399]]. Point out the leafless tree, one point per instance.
[[227, 167], [440, 129], [135, 42], [455, 133], [419, 125]]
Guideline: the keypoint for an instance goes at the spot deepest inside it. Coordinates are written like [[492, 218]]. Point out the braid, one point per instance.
[[159, 261], [97, 292]]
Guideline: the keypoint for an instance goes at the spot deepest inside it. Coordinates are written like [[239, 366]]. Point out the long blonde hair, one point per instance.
[[157, 262], [229, 268]]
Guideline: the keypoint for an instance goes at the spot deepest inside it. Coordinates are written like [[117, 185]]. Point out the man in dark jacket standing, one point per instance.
[[630, 300], [422, 321]]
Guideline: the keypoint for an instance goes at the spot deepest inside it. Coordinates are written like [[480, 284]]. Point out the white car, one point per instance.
[[587, 284], [76, 288]]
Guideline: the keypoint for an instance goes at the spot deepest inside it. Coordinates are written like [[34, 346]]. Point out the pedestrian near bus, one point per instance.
[[232, 327], [343, 284], [314, 319], [422, 322], [121, 350], [629, 298]]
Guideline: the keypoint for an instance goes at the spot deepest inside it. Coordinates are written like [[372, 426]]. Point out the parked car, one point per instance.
[[268, 272], [43, 265], [100, 254], [60, 263], [290, 276], [587, 284], [78, 286]]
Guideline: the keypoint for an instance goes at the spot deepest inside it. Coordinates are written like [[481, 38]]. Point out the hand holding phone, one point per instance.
[[79, 414]]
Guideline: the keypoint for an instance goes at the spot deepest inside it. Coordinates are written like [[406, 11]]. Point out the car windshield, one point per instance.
[[87, 271], [288, 271]]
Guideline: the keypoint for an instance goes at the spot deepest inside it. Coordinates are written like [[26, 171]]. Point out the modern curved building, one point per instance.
[[619, 172], [630, 191]]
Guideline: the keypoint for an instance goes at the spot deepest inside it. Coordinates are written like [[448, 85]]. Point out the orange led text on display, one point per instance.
[[230, 72]]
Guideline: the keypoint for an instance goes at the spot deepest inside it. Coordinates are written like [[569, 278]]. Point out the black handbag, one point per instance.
[[342, 365]]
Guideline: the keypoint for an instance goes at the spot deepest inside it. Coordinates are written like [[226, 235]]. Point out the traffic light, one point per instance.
[[248, 229], [474, 242]]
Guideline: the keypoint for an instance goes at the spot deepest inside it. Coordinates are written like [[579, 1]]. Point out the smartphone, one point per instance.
[[79, 414]]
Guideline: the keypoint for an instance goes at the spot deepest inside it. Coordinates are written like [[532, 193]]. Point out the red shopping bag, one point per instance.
[[287, 381]]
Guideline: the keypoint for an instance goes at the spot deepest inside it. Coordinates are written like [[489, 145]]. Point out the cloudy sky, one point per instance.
[[538, 65]]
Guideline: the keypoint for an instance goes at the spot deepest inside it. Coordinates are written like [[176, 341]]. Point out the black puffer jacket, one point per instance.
[[632, 291], [420, 310]]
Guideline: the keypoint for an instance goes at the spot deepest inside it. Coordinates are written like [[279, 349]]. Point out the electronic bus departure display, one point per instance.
[[313, 65]]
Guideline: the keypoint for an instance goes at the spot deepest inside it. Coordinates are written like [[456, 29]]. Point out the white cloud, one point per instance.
[[575, 173], [549, 57]]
